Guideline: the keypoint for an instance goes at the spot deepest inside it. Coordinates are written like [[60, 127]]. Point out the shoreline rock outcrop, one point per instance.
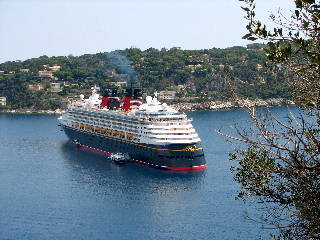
[[222, 105], [30, 111], [187, 106]]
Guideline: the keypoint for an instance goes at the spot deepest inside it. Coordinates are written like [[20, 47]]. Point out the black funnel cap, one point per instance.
[[137, 93], [114, 93], [128, 92], [107, 92]]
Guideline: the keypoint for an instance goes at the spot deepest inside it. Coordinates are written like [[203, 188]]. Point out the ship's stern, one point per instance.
[[182, 158]]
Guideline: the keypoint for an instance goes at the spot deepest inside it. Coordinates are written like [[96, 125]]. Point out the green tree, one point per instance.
[[279, 166]]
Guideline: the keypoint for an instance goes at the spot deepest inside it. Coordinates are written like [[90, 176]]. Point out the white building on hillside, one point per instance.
[[167, 95], [35, 87], [55, 68], [3, 101], [45, 74], [56, 87]]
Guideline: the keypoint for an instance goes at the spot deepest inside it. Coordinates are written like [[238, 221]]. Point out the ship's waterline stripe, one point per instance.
[[192, 168], [201, 167], [139, 145], [96, 150]]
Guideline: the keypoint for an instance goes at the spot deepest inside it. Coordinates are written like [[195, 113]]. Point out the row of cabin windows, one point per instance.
[[86, 116], [91, 128], [120, 127]]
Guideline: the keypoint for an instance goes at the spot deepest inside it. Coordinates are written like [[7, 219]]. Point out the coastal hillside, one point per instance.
[[186, 75]]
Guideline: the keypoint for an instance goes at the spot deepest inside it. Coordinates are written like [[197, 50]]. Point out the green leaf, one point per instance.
[[308, 1], [305, 24], [245, 9], [298, 3], [247, 36], [252, 38]]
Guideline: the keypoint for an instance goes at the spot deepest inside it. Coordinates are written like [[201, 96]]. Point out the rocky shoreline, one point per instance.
[[30, 111], [187, 106], [219, 105]]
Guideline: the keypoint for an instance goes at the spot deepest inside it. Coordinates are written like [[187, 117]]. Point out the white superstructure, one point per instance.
[[150, 123]]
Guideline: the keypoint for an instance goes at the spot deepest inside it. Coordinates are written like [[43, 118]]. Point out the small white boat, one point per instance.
[[119, 158]]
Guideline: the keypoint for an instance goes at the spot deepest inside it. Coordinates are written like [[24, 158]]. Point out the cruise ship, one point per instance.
[[150, 133]]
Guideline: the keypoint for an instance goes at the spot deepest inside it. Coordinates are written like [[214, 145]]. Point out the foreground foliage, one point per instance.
[[279, 166]]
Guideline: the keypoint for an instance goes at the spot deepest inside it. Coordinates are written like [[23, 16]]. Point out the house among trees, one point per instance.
[[123, 77], [55, 87], [54, 68], [179, 87], [67, 84], [244, 59], [35, 87], [167, 95], [25, 70], [112, 72], [3, 101], [118, 84], [221, 66], [46, 74]]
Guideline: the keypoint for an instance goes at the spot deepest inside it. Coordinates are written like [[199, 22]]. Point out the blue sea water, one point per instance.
[[49, 189]]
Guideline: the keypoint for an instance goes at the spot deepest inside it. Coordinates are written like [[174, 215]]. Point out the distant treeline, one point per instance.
[[199, 74]]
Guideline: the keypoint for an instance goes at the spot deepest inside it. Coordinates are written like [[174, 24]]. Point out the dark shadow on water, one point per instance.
[[92, 168]]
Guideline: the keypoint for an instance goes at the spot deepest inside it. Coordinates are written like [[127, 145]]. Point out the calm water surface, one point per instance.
[[49, 189]]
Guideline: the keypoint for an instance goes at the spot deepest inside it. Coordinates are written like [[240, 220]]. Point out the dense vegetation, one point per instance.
[[209, 74], [278, 160]]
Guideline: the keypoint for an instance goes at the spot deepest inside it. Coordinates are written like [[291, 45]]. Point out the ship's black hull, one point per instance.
[[171, 157]]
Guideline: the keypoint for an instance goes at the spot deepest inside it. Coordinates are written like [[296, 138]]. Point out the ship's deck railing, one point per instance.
[[172, 132], [173, 136], [177, 140], [168, 123]]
